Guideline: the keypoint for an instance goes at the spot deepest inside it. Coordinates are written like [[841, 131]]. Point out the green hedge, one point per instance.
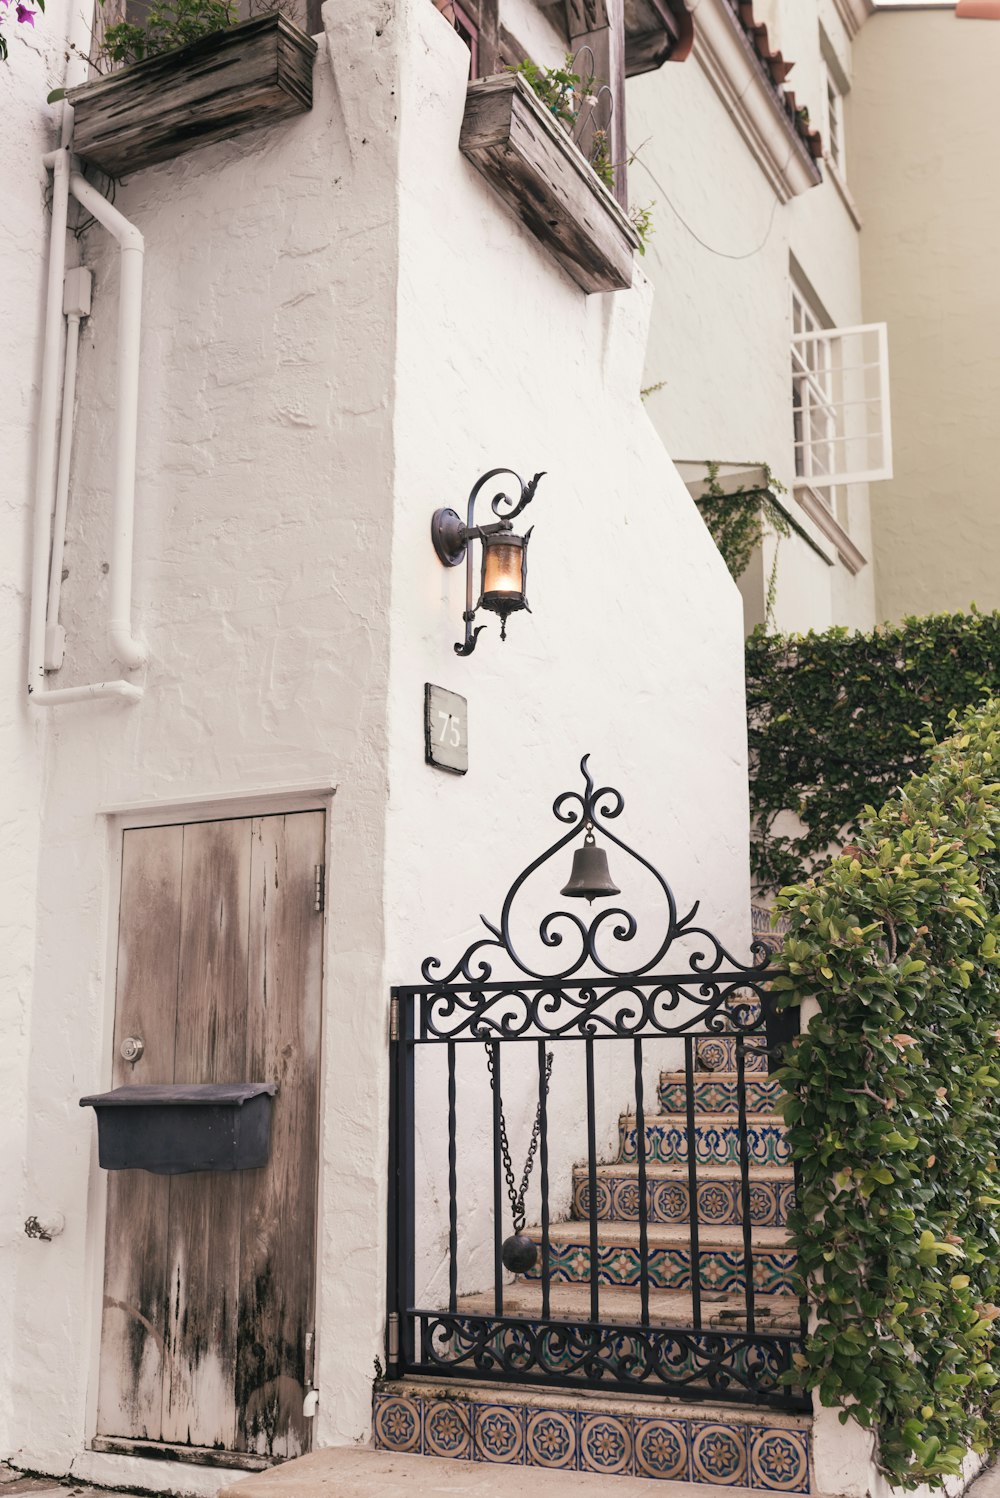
[[836, 721], [893, 1111]]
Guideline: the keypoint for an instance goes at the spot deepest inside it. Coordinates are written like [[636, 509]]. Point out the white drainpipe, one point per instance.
[[123, 643]]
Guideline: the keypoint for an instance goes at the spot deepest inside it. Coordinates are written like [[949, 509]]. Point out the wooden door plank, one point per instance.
[[279, 1202], [204, 1234], [135, 1257]]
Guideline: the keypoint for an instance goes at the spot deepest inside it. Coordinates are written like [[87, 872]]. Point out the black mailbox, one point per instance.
[[176, 1128]]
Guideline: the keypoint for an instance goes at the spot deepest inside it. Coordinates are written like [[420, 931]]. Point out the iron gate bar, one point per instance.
[[744, 1145], [692, 1166], [543, 1168], [640, 1149], [452, 1183], [715, 996]]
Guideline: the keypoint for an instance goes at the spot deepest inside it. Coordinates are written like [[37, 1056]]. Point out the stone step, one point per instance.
[[715, 1092], [587, 1431], [364, 1472], [720, 1254], [720, 1199], [719, 1311], [718, 1053], [717, 1139]]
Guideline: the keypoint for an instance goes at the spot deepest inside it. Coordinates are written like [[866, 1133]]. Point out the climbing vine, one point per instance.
[[738, 520], [837, 720], [892, 1111]]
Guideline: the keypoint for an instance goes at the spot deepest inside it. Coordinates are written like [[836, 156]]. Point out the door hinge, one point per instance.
[[319, 887], [309, 1372], [393, 1340], [393, 1019]]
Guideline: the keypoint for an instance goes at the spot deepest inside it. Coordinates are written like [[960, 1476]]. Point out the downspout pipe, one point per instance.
[[127, 649], [124, 646]]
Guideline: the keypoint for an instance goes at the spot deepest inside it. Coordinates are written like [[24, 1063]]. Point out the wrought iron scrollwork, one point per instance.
[[665, 1360], [711, 991]]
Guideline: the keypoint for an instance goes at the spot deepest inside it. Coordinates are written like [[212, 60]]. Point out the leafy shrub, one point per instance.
[[837, 720], [893, 1112]]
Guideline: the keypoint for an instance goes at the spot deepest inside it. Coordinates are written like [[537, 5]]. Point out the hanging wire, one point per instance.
[[636, 159]]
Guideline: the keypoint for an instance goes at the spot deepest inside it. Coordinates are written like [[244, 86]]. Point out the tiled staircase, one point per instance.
[[644, 1435]]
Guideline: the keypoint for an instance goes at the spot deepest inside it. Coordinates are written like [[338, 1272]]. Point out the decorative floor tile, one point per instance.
[[606, 1444], [498, 1434], [719, 1095], [715, 1143], [662, 1450], [551, 1439], [670, 1268], [767, 1458], [448, 1428], [720, 1202], [719, 1054], [779, 1460], [719, 1454], [397, 1422]]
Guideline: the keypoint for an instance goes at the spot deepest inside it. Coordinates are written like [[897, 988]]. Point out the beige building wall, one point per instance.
[[925, 127]]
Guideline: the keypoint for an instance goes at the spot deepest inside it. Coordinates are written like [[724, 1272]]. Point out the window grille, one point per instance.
[[840, 401]]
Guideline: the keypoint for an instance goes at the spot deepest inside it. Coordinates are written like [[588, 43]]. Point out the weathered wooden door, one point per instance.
[[207, 1333]]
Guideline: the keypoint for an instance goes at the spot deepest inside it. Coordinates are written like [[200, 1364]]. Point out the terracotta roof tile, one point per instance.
[[978, 10], [776, 69]]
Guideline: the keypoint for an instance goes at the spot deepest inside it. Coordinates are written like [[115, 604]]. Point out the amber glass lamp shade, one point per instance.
[[505, 574]]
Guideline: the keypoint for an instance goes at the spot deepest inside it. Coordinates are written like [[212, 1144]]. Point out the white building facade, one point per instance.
[[342, 328]]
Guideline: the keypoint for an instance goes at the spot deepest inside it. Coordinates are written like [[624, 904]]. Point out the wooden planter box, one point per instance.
[[212, 89], [530, 160]]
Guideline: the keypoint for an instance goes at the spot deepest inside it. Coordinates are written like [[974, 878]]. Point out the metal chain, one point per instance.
[[517, 1194]]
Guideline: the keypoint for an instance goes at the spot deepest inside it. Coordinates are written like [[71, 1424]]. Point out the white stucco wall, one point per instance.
[[924, 111], [720, 262], [632, 649], [343, 327], [263, 526], [26, 79]]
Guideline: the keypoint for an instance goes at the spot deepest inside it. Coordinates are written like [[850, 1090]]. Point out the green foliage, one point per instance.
[[738, 520], [166, 25], [566, 94], [837, 720], [892, 1111]]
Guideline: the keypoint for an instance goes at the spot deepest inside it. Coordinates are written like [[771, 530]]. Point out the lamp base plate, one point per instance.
[[447, 534]]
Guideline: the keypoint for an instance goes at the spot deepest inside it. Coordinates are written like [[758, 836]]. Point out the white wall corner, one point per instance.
[[854, 14], [723, 52]]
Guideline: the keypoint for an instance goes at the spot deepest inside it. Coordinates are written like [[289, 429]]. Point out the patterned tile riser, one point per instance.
[[670, 1268], [718, 1095], [769, 1458], [718, 1053], [715, 1144], [720, 1202]]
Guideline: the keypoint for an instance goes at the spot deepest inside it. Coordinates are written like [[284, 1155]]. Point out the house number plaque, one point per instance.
[[446, 729]]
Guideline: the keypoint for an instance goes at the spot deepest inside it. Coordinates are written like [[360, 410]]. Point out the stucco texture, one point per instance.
[[342, 328], [924, 114]]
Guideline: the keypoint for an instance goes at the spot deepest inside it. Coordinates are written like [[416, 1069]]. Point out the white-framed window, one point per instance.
[[840, 402], [834, 122]]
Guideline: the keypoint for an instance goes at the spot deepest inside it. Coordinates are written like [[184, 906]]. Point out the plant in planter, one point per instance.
[[186, 76], [574, 100]]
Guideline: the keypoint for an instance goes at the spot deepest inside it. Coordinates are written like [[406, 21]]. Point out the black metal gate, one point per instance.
[[653, 1318]]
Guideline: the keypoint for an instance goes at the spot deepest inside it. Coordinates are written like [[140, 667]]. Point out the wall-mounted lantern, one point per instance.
[[503, 583]]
